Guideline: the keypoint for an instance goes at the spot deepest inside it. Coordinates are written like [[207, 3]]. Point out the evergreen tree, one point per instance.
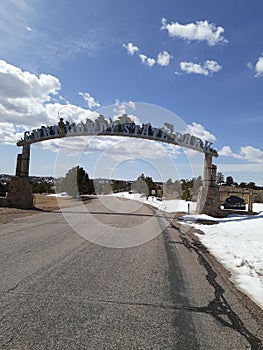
[[140, 185], [42, 188], [144, 185], [102, 186], [169, 183], [77, 182], [151, 185], [252, 186], [186, 195], [229, 181], [197, 183], [172, 189], [220, 179]]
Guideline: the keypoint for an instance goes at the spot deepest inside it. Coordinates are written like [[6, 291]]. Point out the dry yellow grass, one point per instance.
[[10, 214], [50, 203], [42, 203]]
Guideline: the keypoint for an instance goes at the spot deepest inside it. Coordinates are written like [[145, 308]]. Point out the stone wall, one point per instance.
[[227, 191]]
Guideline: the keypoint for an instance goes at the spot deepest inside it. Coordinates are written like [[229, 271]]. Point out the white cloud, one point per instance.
[[9, 133], [147, 60], [249, 153], [90, 100], [62, 99], [200, 31], [192, 68], [134, 149], [132, 104], [15, 83], [23, 95], [259, 67], [252, 154], [164, 58], [26, 102], [208, 68], [131, 49], [124, 108], [199, 131], [226, 151], [68, 112], [116, 148], [212, 66]]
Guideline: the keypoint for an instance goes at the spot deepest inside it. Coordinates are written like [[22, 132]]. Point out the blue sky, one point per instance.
[[201, 60]]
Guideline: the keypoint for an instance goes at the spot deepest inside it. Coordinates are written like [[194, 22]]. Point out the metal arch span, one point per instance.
[[103, 127]]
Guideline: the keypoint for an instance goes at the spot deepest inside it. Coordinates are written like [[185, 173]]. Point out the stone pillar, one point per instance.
[[208, 200], [213, 179], [18, 164], [250, 201], [20, 192], [25, 161], [207, 170]]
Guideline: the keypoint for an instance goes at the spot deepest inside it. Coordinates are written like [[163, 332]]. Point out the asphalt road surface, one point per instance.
[[74, 281]]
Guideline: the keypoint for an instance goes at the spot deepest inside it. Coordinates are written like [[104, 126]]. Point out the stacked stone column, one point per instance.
[[208, 201], [20, 194], [25, 161]]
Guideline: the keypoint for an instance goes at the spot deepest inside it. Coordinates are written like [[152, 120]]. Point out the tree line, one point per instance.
[[77, 182], [182, 189], [229, 181]]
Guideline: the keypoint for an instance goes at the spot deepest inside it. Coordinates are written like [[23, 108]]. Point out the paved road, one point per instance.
[[60, 291]]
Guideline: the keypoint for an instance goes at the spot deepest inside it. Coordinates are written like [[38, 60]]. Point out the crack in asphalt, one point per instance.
[[219, 308], [119, 302]]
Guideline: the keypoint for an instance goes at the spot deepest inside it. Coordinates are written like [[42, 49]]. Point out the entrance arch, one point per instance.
[[208, 199]]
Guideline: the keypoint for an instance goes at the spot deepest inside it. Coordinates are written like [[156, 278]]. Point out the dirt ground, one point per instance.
[[42, 203]]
